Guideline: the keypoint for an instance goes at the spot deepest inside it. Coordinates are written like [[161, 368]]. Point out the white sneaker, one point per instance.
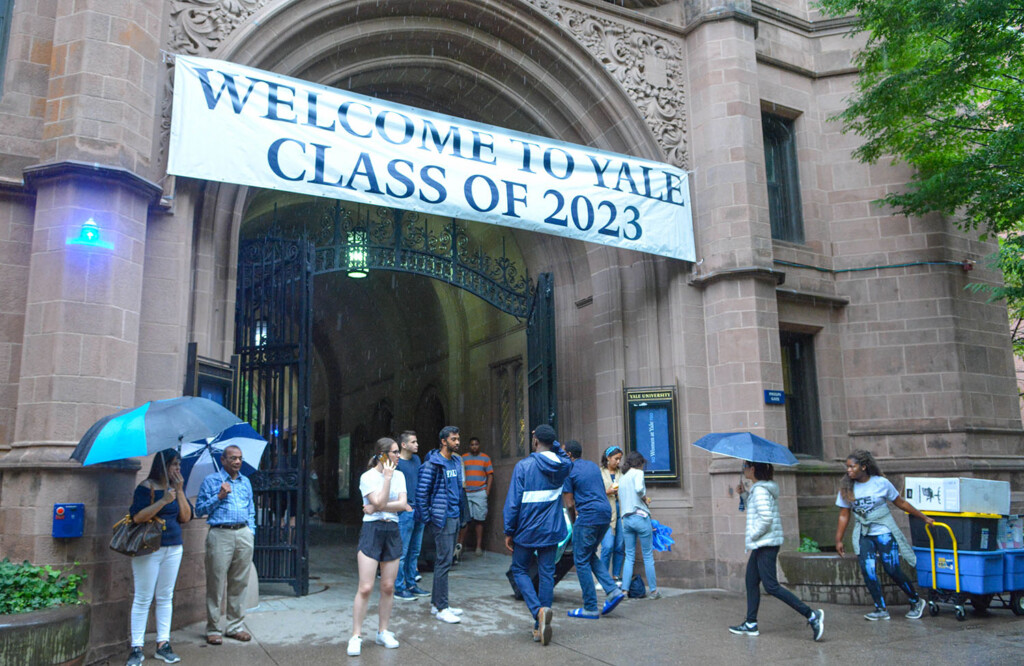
[[387, 639], [448, 615], [355, 646], [455, 611]]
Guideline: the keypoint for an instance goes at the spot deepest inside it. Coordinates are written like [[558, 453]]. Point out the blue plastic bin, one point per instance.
[[981, 572], [1013, 570]]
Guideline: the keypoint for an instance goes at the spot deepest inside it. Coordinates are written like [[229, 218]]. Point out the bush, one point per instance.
[[808, 545], [25, 587]]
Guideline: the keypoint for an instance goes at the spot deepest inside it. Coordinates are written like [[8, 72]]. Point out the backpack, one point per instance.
[[637, 589]]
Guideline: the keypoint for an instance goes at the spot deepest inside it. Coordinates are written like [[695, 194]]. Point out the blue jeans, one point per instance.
[[444, 547], [412, 538], [535, 598], [613, 543], [637, 527], [585, 539]]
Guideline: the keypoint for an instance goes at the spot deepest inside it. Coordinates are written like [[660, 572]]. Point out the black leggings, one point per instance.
[[761, 569]]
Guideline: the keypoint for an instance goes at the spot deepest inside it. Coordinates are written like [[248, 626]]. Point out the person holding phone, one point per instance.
[[383, 490], [154, 575]]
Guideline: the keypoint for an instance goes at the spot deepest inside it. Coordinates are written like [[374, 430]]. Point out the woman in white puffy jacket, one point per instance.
[[763, 538]]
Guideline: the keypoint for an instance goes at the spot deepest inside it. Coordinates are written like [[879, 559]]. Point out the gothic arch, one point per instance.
[[498, 62]]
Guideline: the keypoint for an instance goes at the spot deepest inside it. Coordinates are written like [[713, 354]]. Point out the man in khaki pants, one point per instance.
[[226, 498]]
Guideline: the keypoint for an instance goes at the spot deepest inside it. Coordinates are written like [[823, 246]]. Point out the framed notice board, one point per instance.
[[651, 419]]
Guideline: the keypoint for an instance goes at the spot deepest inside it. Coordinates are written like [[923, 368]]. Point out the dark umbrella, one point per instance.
[[202, 458], [746, 446], [156, 425]]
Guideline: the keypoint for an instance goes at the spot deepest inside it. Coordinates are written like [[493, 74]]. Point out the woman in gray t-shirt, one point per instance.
[[865, 493]]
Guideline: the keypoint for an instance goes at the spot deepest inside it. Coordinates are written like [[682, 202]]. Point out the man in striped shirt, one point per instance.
[[478, 474]]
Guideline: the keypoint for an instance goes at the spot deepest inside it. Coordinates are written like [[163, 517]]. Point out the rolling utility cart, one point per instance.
[[961, 577]]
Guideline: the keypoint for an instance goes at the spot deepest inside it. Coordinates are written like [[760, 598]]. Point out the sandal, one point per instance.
[[243, 636], [584, 614], [214, 639]]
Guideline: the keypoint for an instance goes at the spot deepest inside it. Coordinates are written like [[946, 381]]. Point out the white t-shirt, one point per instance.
[[371, 481], [868, 495]]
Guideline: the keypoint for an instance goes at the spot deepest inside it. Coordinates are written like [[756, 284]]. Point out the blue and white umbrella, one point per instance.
[[152, 427], [202, 458], [746, 446]]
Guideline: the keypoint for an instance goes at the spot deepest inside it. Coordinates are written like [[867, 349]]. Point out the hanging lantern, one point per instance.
[[357, 254]]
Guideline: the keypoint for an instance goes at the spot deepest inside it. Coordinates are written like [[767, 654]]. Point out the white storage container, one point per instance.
[[958, 495]]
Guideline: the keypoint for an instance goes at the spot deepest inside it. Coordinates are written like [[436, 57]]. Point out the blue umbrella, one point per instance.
[[202, 458], [156, 425], [746, 446], [661, 536]]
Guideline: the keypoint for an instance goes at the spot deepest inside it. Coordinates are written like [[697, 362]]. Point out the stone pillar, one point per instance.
[[82, 311], [81, 345], [735, 257]]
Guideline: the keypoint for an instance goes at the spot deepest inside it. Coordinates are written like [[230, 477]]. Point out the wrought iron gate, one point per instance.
[[540, 353], [273, 321]]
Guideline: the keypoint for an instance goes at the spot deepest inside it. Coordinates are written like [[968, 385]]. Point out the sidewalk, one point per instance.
[[685, 627]]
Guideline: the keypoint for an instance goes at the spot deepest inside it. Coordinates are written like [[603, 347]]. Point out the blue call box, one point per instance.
[[68, 520]]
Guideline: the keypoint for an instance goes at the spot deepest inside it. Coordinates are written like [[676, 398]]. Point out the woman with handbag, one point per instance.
[[162, 496], [634, 506], [763, 538]]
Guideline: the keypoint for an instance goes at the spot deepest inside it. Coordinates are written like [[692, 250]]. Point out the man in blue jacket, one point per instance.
[[438, 502], [534, 523]]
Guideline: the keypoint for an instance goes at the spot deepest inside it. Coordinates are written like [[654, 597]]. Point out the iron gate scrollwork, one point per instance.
[[405, 241], [273, 337], [540, 353]]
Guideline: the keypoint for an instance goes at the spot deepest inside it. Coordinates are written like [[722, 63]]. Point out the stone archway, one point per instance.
[[502, 63]]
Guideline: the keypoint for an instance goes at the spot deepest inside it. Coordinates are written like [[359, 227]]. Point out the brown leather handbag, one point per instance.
[[131, 538]]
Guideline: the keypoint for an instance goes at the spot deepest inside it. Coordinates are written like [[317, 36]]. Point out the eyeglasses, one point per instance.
[[232, 457]]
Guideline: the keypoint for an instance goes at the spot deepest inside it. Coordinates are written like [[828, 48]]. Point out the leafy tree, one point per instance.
[[941, 88]]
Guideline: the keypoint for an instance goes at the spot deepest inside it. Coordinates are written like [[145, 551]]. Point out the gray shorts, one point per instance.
[[380, 540], [477, 505]]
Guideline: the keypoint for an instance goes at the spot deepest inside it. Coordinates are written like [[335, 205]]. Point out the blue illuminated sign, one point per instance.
[[89, 235], [651, 419]]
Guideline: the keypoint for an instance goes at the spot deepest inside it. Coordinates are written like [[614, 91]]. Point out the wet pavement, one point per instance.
[[684, 627]]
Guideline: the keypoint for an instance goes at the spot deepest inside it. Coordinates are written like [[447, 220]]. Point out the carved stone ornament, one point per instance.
[[649, 67], [549, 8], [199, 26]]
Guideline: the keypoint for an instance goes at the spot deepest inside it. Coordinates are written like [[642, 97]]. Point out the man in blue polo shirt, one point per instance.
[[585, 498]]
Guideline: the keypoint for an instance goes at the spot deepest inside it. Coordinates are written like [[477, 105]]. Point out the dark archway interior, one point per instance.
[[392, 351]]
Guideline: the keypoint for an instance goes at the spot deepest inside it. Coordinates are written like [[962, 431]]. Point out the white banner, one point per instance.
[[236, 124]]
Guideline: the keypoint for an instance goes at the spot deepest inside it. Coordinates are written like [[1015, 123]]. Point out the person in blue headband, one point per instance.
[[612, 544]]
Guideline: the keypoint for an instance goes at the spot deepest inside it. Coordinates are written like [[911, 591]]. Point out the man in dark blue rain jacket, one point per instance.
[[438, 502], [534, 523]]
